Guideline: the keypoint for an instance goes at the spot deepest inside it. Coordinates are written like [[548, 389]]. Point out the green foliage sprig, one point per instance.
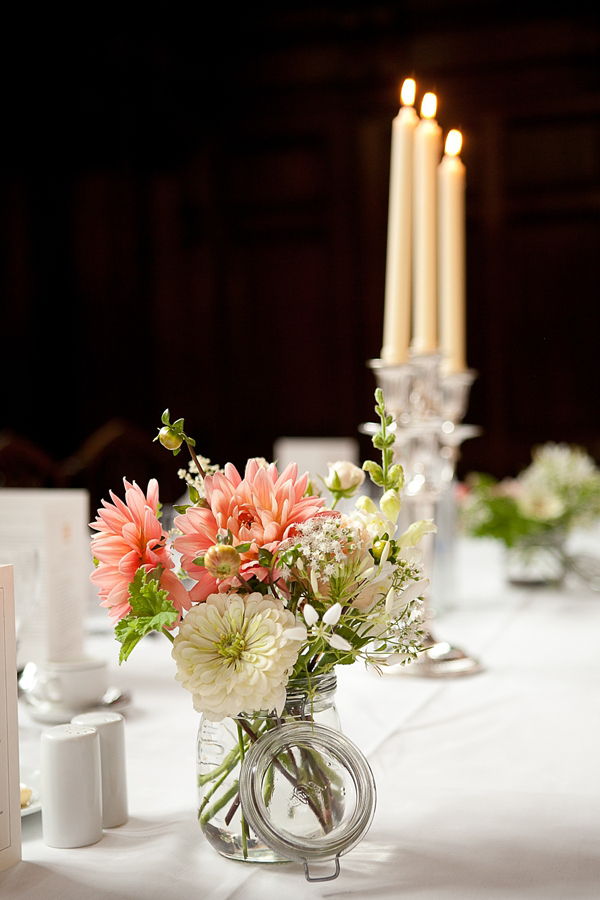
[[150, 611]]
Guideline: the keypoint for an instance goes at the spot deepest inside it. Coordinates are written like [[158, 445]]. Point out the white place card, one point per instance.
[[313, 454], [44, 534], [10, 798]]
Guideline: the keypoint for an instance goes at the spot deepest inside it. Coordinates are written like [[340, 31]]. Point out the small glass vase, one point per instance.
[[222, 747], [537, 560]]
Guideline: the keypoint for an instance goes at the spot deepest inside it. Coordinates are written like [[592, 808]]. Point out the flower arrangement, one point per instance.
[[261, 584], [558, 491]]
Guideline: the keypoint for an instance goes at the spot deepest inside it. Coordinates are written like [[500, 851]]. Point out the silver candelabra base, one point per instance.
[[428, 407]]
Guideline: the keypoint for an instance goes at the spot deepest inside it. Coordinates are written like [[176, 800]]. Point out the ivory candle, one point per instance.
[[398, 273], [451, 195], [427, 151]]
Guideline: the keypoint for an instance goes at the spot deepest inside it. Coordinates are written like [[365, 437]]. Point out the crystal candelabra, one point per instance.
[[428, 406]]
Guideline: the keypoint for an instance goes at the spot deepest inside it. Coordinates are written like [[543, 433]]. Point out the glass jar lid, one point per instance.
[[308, 792]]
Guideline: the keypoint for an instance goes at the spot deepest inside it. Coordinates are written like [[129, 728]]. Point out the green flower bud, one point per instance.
[[169, 438]]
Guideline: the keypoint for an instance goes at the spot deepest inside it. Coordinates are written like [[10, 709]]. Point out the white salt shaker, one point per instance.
[[71, 786], [111, 728]]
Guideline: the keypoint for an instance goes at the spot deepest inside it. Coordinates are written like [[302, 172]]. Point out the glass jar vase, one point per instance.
[[537, 560], [222, 748]]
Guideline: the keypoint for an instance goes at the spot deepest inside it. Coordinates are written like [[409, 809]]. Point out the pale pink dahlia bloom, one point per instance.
[[129, 536], [262, 508]]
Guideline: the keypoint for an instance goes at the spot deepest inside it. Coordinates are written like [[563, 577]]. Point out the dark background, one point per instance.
[[194, 212]]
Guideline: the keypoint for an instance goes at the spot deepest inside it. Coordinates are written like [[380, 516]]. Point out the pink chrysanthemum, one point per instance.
[[261, 508], [129, 536]]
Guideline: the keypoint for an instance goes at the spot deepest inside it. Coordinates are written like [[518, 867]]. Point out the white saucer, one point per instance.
[[52, 714], [31, 778]]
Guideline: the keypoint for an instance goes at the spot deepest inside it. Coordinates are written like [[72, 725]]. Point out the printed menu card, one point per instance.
[[10, 802], [44, 534]]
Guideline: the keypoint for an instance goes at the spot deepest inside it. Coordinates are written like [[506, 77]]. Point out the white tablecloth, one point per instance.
[[488, 786]]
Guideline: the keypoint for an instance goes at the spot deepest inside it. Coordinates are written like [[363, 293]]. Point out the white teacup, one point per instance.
[[73, 684]]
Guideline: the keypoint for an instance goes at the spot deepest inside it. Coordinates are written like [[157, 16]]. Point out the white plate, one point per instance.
[[31, 778]]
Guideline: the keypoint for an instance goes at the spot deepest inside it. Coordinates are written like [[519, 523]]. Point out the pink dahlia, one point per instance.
[[260, 509], [129, 536]]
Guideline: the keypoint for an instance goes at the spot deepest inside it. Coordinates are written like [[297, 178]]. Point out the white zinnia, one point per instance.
[[235, 653]]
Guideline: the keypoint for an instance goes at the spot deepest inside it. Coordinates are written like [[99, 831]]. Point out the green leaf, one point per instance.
[[194, 495], [181, 509], [151, 610], [265, 557], [165, 418], [243, 548], [178, 425], [199, 561]]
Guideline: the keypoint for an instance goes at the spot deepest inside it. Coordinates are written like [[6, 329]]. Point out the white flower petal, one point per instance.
[[314, 581], [390, 601], [311, 616], [395, 659], [338, 642], [298, 633], [414, 590], [332, 615]]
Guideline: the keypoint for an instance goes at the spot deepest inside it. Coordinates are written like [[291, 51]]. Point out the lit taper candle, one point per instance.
[[451, 274], [398, 272], [427, 152]]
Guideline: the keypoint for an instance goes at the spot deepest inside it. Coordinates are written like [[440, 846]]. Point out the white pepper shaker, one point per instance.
[[71, 786], [111, 728]]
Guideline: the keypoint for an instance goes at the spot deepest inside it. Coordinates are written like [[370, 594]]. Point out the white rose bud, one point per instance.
[[344, 476]]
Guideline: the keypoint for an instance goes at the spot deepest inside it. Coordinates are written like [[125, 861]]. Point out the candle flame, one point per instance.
[[453, 142], [408, 92], [429, 106]]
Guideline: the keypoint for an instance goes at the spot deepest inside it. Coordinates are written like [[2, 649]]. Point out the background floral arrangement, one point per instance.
[[560, 490], [261, 581]]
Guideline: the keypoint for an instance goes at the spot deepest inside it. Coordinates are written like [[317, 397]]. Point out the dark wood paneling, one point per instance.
[[206, 230]]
